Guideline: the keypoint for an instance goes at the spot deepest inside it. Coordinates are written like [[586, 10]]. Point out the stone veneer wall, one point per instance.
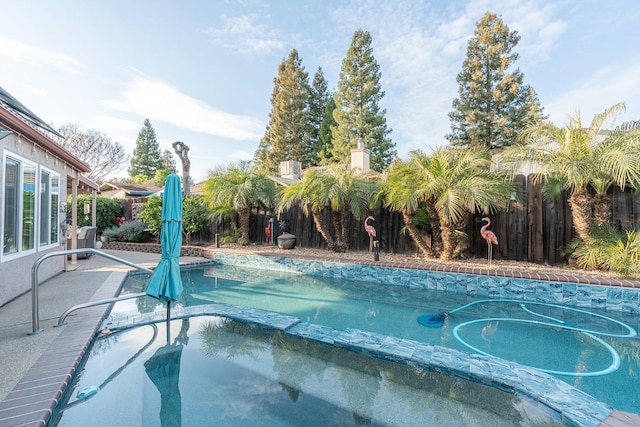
[[587, 296], [195, 251]]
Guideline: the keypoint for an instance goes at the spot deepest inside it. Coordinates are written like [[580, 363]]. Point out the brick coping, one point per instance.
[[541, 272]]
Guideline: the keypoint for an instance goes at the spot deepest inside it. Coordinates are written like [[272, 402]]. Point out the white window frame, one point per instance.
[[48, 220], [20, 201]]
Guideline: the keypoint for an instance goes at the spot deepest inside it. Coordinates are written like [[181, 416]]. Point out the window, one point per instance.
[[30, 206], [49, 199]]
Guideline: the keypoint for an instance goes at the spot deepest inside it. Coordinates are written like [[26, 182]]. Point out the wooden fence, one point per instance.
[[531, 229]]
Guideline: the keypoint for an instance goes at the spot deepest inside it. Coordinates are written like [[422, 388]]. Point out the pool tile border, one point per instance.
[[612, 296]]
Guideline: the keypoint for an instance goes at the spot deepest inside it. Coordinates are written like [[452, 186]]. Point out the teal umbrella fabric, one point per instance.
[[165, 283]]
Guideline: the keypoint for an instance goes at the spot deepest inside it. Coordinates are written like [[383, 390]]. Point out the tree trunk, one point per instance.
[[462, 244], [345, 219], [601, 209], [581, 205], [243, 218], [413, 232], [448, 241], [340, 245], [436, 229], [182, 150], [323, 230]]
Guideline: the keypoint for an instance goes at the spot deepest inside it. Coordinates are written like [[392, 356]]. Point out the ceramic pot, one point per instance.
[[286, 241]]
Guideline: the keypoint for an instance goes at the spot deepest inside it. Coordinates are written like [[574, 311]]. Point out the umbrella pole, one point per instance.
[[168, 321]]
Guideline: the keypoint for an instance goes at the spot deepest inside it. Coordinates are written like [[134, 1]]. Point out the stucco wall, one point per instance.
[[15, 272]]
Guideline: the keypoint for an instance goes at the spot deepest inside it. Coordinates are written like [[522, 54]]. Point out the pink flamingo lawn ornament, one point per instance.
[[489, 236], [370, 231]]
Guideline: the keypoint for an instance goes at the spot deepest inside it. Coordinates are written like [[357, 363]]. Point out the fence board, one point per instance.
[[533, 229]]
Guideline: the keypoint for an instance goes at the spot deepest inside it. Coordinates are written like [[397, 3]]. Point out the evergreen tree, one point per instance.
[[358, 116], [168, 162], [325, 137], [146, 156], [287, 136], [493, 104], [319, 96]]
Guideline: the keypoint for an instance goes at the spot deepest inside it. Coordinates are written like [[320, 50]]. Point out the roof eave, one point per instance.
[[15, 124]]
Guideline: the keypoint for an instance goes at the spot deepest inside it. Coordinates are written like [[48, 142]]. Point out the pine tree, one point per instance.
[[146, 156], [319, 96], [168, 162], [325, 137], [287, 136], [358, 116], [493, 104]]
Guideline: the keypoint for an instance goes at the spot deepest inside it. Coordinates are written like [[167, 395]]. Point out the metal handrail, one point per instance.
[[35, 307], [63, 317]]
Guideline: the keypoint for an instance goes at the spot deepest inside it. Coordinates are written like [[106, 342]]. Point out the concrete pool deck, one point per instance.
[[42, 364]]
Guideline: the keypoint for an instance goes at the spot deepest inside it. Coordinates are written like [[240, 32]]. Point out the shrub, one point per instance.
[[151, 214], [107, 210], [606, 249], [231, 235], [195, 214], [130, 231]]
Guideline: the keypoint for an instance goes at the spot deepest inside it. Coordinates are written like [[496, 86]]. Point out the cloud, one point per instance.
[[161, 102], [241, 155], [23, 52], [420, 50], [243, 34], [110, 124], [606, 87]]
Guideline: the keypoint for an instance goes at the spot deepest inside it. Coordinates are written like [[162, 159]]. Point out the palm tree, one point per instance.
[[345, 192], [237, 188], [577, 159], [400, 192], [307, 194], [452, 183]]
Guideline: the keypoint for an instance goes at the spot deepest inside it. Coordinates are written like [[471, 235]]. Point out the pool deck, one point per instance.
[[39, 366]]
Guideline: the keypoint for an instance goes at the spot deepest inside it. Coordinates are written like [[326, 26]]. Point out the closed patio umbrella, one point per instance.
[[165, 283]]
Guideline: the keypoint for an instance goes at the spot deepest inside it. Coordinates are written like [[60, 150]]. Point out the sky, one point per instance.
[[202, 71]]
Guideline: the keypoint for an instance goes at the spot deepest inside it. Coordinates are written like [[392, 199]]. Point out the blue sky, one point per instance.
[[202, 71]]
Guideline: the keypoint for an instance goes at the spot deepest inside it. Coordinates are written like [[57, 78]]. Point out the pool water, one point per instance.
[[215, 371], [604, 361]]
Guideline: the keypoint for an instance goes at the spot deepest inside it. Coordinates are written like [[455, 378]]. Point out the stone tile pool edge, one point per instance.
[[611, 295]]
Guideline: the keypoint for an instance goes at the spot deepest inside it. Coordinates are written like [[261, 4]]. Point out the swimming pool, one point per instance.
[[215, 371], [603, 361]]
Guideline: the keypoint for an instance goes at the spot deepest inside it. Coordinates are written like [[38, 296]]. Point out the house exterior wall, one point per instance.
[[15, 268]]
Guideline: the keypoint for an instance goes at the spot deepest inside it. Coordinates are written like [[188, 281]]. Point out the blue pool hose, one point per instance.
[[437, 320]]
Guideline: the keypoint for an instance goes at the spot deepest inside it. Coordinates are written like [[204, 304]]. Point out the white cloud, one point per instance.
[[241, 155], [243, 34], [16, 50], [161, 102], [109, 124], [606, 87], [420, 49]]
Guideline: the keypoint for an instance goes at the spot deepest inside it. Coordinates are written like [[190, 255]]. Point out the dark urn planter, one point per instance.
[[286, 241]]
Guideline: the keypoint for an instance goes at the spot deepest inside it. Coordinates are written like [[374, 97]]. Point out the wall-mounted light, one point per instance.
[[87, 210]]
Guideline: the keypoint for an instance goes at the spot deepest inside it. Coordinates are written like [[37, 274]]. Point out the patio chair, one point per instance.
[[86, 239]]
